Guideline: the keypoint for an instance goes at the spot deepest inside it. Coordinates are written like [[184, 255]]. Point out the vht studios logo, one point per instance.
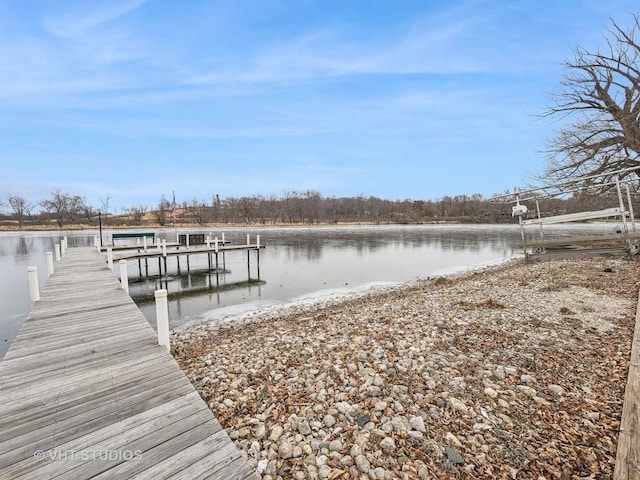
[[86, 455]]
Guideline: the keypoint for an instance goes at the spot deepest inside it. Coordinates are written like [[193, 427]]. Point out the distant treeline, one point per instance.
[[309, 207]]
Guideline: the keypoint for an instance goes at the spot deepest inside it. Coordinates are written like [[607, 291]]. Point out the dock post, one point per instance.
[[34, 289], [215, 244], [57, 250], [208, 241], [110, 258], [96, 242], [258, 242], [217, 271], [49, 263], [248, 239], [124, 278], [144, 243], [223, 238], [162, 318], [65, 244], [164, 254], [187, 240]]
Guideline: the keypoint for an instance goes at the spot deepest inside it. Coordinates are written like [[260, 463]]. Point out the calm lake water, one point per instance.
[[297, 264]]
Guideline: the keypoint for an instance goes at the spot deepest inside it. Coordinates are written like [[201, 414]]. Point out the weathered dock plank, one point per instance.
[[86, 392], [628, 452]]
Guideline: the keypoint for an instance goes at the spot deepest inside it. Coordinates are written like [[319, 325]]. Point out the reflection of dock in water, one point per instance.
[[197, 285]]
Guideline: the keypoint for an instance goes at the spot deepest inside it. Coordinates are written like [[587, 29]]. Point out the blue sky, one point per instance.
[[410, 99]]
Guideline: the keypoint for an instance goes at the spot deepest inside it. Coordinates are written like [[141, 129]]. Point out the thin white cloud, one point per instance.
[[78, 24]]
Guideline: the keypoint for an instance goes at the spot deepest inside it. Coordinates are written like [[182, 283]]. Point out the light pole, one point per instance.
[[100, 222]]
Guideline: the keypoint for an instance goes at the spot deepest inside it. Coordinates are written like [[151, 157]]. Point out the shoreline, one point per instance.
[[516, 370]]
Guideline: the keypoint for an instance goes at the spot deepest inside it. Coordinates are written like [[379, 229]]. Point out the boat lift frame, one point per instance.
[[622, 211]]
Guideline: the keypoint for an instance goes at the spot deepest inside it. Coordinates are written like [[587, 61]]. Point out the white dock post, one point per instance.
[[96, 242], [110, 258], [208, 241], [162, 317], [124, 278], [258, 241], [248, 237], [164, 248], [215, 244], [187, 240], [144, 243], [34, 289], [49, 263], [223, 238], [65, 245], [58, 252]]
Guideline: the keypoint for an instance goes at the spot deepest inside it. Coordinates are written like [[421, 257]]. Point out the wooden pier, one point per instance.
[[86, 391]]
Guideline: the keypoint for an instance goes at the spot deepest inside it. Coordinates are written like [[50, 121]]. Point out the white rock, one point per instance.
[[452, 440], [388, 444], [490, 392], [363, 464], [457, 405], [527, 390], [556, 389], [417, 423], [276, 433]]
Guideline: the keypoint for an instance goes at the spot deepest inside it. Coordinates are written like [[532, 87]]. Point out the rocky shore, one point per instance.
[[512, 372]]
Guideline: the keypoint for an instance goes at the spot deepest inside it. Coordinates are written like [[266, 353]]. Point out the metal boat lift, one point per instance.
[[625, 212]]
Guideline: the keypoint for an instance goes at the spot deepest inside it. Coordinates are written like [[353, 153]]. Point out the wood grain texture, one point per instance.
[[86, 391]]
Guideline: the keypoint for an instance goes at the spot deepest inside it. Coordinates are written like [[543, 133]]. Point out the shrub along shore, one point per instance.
[[514, 371]]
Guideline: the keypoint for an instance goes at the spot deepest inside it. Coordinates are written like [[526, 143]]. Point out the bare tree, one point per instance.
[[57, 205], [600, 94], [21, 208]]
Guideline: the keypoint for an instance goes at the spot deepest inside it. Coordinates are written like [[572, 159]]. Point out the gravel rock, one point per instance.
[[416, 380]]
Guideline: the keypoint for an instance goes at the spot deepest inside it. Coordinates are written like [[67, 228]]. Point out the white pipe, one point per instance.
[[162, 316], [49, 263], [34, 289], [58, 252], [257, 241], [124, 278]]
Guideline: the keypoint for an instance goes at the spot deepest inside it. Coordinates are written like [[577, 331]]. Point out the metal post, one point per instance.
[[110, 258], [162, 318], [623, 212], [124, 278], [100, 222], [633, 220], [58, 251], [34, 289], [49, 263]]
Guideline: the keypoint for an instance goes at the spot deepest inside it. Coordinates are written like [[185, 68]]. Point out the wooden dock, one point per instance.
[[86, 391]]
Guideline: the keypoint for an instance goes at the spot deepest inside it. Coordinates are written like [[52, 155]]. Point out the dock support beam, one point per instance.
[[34, 289], [162, 316], [124, 278], [49, 263]]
